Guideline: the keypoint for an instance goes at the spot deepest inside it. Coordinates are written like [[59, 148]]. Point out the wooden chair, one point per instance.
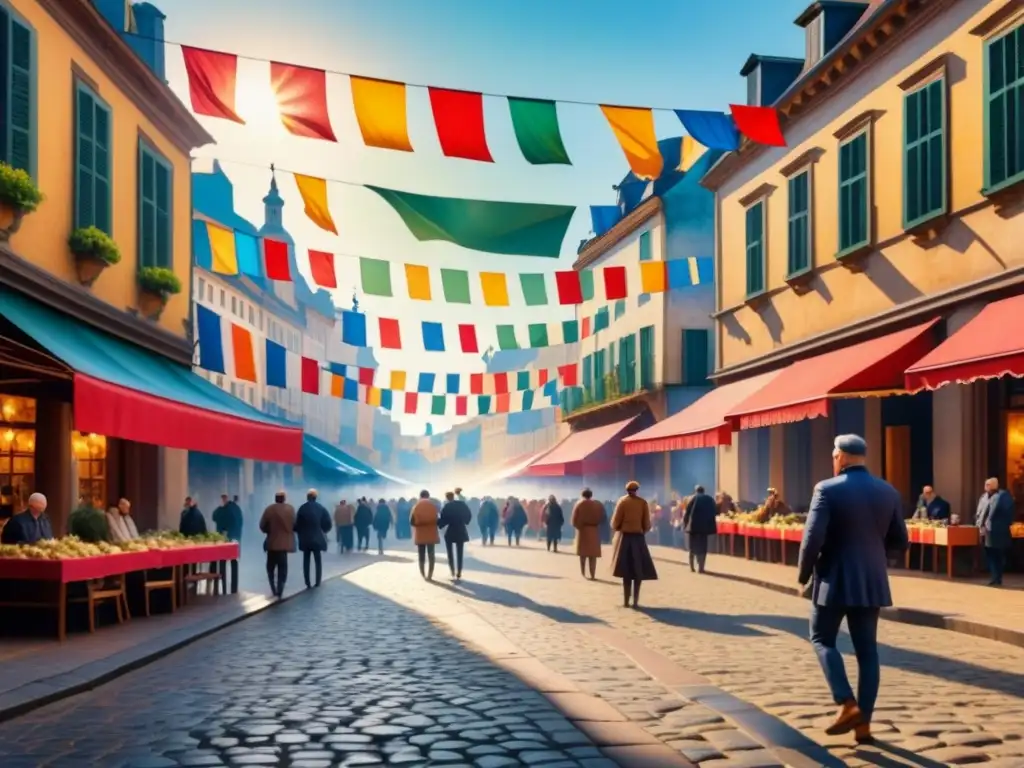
[[100, 590], [157, 583], [211, 578]]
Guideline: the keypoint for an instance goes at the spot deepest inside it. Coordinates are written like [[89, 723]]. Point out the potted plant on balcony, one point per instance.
[[156, 285], [18, 195], [94, 250]]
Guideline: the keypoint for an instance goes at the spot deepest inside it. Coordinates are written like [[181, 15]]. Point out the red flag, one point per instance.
[[310, 376], [321, 266], [614, 283], [211, 82], [542, 376], [569, 374], [476, 383], [366, 376], [585, 330], [459, 119], [390, 333], [461, 405], [302, 100], [500, 383], [759, 124], [275, 258], [570, 291], [467, 338], [502, 403], [411, 402]]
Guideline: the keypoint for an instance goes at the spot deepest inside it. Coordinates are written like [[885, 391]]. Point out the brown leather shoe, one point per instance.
[[847, 718], [862, 734]]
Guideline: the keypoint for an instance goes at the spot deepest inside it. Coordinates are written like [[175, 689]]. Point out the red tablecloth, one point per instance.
[[775, 534], [202, 553], [726, 527], [793, 534], [77, 569]]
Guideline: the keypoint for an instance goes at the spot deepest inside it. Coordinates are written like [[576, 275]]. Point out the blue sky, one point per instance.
[[658, 53]]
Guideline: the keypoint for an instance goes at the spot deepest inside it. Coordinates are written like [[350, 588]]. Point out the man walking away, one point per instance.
[[854, 521], [489, 518], [994, 518], [699, 523], [382, 524], [553, 518], [278, 523], [455, 519], [312, 524], [363, 520], [343, 516], [586, 519], [423, 520]]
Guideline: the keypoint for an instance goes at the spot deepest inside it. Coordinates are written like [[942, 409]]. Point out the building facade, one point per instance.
[[895, 208]]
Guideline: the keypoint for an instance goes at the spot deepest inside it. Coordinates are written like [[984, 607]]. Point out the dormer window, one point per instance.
[[754, 88], [814, 38]]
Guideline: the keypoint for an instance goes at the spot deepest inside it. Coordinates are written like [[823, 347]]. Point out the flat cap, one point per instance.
[[851, 445], [632, 485]]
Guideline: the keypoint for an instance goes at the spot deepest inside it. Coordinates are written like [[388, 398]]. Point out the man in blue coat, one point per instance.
[[854, 521], [994, 517], [312, 523]]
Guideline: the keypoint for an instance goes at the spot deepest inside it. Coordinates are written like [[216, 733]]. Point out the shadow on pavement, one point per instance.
[[473, 564], [498, 596], [906, 757]]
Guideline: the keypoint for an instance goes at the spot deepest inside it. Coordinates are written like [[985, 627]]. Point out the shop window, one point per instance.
[[799, 247], [155, 193], [92, 160], [854, 193], [18, 98], [924, 153], [1004, 110], [755, 248], [91, 462], [17, 454]]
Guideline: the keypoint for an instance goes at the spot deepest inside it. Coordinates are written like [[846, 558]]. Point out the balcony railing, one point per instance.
[[579, 399]]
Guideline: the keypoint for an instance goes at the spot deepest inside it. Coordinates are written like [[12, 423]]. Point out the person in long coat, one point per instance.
[[488, 518], [363, 520], [343, 524], [402, 512], [586, 519], [699, 523], [994, 518], [455, 519], [423, 520], [515, 520], [631, 557], [312, 523], [553, 518], [382, 524], [278, 523]]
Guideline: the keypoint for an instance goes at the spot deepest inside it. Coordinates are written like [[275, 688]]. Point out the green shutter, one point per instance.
[[599, 374], [631, 365], [799, 246], [924, 153], [156, 187], [696, 356], [854, 188], [588, 375], [620, 308], [19, 131], [645, 246], [163, 215], [647, 357], [755, 248], [1004, 109], [85, 189]]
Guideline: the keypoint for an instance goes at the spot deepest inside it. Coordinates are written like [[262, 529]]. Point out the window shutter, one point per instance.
[[85, 192], [645, 246], [101, 168], [147, 209], [696, 347], [19, 127], [163, 215]]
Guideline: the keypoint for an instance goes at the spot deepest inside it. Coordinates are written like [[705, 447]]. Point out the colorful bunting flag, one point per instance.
[[569, 289], [381, 111], [507, 337], [417, 279], [375, 277], [321, 267], [535, 122], [691, 151], [538, 333], [568, 375], [276, 261], [501, 383], [614, 283], [461, 405], [310, 376], [390, 334], [715, 130], [587, 284], [366, 376], [604, 217], [222, 248], [433, 336], [353, 328], [451, 384], [211, 345], [653, 277], [759, 124], [398, 379], [459, 120], [483, 404], [301, 95], [495, 289], [570, 331], [351, 390], [425, 384], [455, 286], [241, 346], [314, 198], [247, 252], [337, 385], [211, 82], [535, 292], [467, 339], [411, 403], [634, 130], [277, 365], [438, 405]]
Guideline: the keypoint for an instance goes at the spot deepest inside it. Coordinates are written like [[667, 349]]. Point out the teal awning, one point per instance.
[[324, 455]]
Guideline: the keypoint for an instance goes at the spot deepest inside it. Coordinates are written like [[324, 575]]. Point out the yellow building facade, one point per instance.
[[896, 201]]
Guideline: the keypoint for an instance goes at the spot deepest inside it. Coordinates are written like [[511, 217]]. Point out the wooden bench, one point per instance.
[[212, 578]]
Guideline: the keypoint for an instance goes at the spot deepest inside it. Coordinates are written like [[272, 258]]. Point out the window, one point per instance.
[[814, 41], [202, 287], [799, 248], [754, 87], [627, 364], [17, 92], [222, 297], [588, 375], [645, 246], [252, 316], [599, 374], [155, 187], [924, 153], [696, 357], [234, 305], [647, 357], [854, 205], [209, 293], [755, 249], [92, 160], [1004, 109]]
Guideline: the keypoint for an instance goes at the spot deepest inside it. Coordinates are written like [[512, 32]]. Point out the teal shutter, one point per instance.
[[755, 248], [645, 246], [620, 308], [647, 357], [696, 357], [924, 153], [631, 371], [588, 375], [156, 182], [163, 214], [799, 223], [1004, 109], [853, 193], [16, 41], [599, 374], [92, 161]]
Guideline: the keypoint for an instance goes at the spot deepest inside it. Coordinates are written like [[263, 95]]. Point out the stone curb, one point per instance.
[[40, 693]]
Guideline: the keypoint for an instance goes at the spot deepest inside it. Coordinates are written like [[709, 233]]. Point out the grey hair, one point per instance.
[[37, 498], [851, 445]]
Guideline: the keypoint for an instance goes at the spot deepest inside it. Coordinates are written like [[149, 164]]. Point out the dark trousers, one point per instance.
[[489, 534], [318, 565], [380, 542], [862, 624], [516, 533], [454, 549], [277, 571], [552, 543], [426, 557], [698, 550], [996, 560], [362, 538]]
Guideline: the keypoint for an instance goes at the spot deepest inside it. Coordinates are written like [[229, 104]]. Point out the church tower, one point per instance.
[[273, 206], [273, 227]]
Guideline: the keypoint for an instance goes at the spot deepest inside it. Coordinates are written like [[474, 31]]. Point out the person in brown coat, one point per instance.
[[631, 558], [343, 524], [423, 520], [278, 523], [586, 519]]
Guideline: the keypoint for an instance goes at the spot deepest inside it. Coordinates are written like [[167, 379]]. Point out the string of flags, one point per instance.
[[231, 252], [381, 110]]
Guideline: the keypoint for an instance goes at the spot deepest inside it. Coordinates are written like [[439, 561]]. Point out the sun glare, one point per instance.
[[256, 104]]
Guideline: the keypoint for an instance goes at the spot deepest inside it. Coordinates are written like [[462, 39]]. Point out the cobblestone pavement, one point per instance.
[[337, 677], [947, 698]]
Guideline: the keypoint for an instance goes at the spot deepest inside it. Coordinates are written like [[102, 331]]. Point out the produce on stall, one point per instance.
[[71, 547]]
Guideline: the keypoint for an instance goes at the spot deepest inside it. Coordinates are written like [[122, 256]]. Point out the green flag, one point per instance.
[[538, 335], [375, 276], [507, 337], [536, 125], [438, 404], [535, 292], [570, 331], [455, 284], [587, 284]]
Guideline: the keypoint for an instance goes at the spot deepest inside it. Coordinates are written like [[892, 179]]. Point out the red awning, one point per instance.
[[802, 390], [988, 347], [589, 449], [700, 425]]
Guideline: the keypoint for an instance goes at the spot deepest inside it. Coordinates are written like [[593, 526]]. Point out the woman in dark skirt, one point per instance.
[[631, 559]]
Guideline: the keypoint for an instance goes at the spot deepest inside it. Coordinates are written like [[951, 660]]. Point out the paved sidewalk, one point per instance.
[[961, 605]]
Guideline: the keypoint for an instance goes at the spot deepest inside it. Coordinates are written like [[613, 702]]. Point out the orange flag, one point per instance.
[[245, 362], [314, 196], [634, 130]]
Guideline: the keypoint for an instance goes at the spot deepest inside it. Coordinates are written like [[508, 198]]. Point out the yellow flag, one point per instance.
[[381, 112], [495, 289], [337, 385], [398, 381], [417, 277], [222, 247], [690, 153], [314, 196], [373, 396], [634, 130], [653, 277]]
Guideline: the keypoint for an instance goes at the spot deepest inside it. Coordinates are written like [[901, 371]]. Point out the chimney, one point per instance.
[[768, 77], [148, 40], [825, 24]]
